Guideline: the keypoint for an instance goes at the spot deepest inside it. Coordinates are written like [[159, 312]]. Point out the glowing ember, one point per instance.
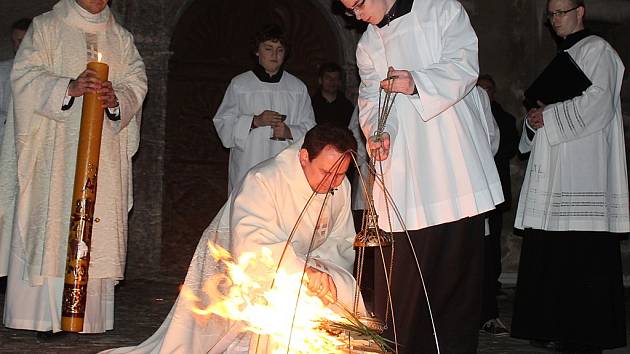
[[243, 294]]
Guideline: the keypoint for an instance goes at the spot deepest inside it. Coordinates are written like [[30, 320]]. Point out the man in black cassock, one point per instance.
[[329, 103], [508, 144]]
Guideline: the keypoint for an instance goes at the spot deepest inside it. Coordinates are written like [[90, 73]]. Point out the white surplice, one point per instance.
[[262, 211], [55, 50], [358, 187], [247, 96], [440, 167], [576, 177]]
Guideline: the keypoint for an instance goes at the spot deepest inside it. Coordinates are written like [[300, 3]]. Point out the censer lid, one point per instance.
[[371, 235]]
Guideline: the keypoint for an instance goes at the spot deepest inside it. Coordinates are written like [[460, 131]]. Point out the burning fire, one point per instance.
[[243, 293]]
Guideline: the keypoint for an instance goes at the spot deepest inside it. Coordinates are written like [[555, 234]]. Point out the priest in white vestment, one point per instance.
[[48, 80], [437, 164], [263, 109], [262, 212], [573, 204]]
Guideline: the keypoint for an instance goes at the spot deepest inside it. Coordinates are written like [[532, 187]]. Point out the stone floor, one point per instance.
[[142, 305]]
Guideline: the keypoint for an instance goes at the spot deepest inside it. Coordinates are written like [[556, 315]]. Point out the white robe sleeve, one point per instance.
[[525, 145], [132, 89], [595, 108], [232, 125], [306, 117], [369, 92], [355, 128], [494, 135], [358, 186], [35, 87], [447, 81]]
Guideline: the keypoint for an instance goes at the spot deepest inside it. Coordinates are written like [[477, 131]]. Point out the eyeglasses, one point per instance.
[[356, 7], [559, 13]]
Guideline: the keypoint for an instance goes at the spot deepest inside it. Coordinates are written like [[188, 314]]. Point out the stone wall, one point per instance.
[[152, 39], [11, 11]]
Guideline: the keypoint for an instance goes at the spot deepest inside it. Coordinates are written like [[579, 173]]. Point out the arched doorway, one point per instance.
[[211, 44]]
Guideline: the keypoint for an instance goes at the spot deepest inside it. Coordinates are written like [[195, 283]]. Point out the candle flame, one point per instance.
[[99, 56]]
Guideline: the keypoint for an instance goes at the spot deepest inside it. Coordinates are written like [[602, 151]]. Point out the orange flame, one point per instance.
[[242, 293]]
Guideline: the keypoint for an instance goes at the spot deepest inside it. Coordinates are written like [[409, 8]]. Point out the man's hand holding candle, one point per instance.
[[107, 95], [88, 83]]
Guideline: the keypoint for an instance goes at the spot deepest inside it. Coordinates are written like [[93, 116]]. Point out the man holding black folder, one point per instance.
[[574, 200]]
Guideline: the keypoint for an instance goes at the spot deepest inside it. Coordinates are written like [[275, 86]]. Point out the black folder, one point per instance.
[[561, 80]]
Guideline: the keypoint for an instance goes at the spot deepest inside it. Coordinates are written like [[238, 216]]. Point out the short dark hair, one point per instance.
[[487, 77], [320, 136], [21, 24], [271, 32], [329, 67], [576, 3]]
